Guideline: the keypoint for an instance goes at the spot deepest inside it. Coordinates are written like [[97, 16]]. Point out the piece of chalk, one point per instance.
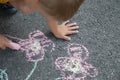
[[14, 46]]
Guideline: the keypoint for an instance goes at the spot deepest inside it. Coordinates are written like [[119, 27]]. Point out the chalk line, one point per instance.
[[3, 75], [32, 71]]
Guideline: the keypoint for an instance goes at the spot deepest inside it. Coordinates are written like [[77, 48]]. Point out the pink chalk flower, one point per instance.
[[74, 66], [35, 46]]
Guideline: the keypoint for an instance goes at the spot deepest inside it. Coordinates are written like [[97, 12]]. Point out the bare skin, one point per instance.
[[63, 30], [4, 42], [60, 31], [28, 6]]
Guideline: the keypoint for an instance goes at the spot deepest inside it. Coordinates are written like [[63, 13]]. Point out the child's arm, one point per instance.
[[60, 31]]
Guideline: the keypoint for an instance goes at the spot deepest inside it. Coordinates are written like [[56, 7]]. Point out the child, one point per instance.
[[53, 11]]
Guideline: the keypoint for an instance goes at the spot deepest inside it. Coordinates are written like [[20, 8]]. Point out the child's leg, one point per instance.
[[8, 8]]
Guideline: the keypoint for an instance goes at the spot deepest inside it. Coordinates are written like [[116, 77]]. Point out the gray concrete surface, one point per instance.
[[99, 31]]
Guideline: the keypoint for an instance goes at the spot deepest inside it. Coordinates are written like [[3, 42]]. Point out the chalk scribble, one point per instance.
[[74, 66], [3, 75], [32, 71], [35, 46]]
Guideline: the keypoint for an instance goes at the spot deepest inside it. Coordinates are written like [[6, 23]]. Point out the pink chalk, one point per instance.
[[14, 46]]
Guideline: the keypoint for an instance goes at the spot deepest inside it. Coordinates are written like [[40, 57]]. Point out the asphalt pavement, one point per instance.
[[99, 34]]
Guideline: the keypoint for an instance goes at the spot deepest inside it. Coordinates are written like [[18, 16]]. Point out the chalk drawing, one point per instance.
[[3, 75], [74, 66], [32, 71], [35, 46], [58, 78]]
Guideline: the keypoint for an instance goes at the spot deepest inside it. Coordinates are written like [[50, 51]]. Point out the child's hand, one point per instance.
[[4, 42], [66, 29]]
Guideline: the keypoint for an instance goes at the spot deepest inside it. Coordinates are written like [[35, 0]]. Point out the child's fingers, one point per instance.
[[64, 23], [13, 45], [71, 24], [72, 32], [73, 28], [66, 38], [8, 45]]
